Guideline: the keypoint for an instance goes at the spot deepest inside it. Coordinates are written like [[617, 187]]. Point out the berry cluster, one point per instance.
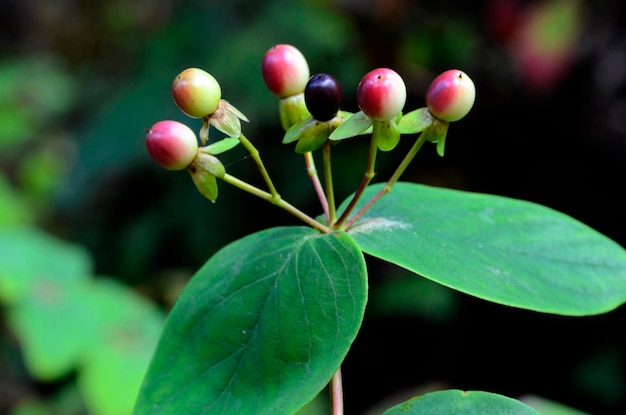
[[311, 115]]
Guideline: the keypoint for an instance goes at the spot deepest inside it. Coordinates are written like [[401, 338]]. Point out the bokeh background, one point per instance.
[[80, 81]]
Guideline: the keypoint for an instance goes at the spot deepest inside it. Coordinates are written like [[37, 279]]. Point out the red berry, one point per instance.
[[196, 92], [451, 95], [285, 70], [322, 96], [381, 94], [171, 144]]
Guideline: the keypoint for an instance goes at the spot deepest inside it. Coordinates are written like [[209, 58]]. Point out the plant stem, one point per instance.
[[276, 201], [328, 180], [336, 393], [392, 180], [367, 178], [257, 158], [312, 172]]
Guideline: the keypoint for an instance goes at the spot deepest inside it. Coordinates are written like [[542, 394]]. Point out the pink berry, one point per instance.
[[451, 95], [171, 144], [285, 70], [381, 94], [196, 92]]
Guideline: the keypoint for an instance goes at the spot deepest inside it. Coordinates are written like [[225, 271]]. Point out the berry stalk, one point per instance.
[[367, 178], [317, 185], [392, 180], [328, 180], [254, 153], [281, 203]]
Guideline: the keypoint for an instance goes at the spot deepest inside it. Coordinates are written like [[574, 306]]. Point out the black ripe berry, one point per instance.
[[322, 96]]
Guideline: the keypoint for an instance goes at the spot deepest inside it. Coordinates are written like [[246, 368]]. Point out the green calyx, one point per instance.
[[292, 110], [204, 170]]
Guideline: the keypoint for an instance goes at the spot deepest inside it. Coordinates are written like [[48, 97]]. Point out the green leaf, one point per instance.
[[415, 121], [459, 402], [549, 407], [221, 146], [261, 328], [30, 257], [356, 124], [296, 130], [436, 133], [499, 249], [14, 209], [54, 325], [204, 170], [126, 331], [386, 134], [227, 119]]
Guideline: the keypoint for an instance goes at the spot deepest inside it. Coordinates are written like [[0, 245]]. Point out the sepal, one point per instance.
[[204, 170], [415, 121], [356, 124]]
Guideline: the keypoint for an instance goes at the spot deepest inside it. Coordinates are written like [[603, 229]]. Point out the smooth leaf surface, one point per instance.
[[124, 336], [415, 121], [221, 146], [356, 124], [503, 250], [459, 402], [30, 257], [261, 327]]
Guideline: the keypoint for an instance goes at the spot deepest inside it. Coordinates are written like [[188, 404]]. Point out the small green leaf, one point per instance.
[[292, 110], [234, 111], [313, 136], [386, 134], [355, 125], [436, 133], [204, 170], [504, 250], [227, 119], [459, 402], [261, 327], [221, 146], [296, 130], [415, 121]]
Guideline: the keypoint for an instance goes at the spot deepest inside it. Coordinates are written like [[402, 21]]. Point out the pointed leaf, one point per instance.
[[227, 119], [503, 250], [221, 146], [459, 402], [261, 328], [415, 121], [353, 126], [234, 111], [296, 130]]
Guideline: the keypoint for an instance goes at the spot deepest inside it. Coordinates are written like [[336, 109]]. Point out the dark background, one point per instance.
[[548, 126]]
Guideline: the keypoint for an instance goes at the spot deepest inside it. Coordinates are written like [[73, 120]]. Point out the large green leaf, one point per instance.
[[503, 250], [261, 328], [461, 403]]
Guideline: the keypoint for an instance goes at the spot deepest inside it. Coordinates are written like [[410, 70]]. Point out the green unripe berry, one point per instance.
[[196, 92], [171, 144], [451, 95]]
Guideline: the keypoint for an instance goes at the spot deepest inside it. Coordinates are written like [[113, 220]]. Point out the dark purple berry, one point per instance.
[[322, 95]]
